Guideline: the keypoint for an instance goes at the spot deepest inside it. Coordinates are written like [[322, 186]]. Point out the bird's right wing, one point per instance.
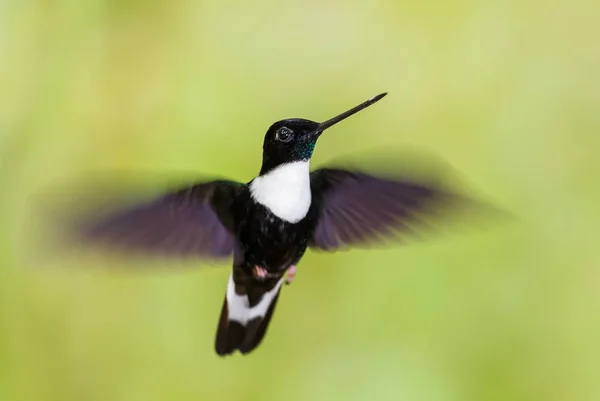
[[193, 221], [356, 208]]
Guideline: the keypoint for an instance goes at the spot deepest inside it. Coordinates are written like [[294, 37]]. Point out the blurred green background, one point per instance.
[[507, 92]]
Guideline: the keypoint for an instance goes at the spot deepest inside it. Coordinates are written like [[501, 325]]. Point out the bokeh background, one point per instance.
[[507, 92]]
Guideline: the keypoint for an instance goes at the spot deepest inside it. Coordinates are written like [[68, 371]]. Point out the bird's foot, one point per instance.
[[260, 272], [291, 273]]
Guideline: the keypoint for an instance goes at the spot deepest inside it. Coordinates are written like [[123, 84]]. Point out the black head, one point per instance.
[[294, 139]]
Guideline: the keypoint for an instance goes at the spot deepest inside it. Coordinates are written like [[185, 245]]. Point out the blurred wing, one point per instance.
[[195, 221], [356, 208]]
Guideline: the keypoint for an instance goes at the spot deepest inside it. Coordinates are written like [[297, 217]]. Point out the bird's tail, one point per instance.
[[245, 317]]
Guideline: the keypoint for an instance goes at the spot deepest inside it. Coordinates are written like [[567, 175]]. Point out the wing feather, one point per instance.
[[357, 208], [194, 221]]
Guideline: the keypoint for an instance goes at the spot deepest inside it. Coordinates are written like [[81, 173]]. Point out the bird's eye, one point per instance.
[[285, 134]]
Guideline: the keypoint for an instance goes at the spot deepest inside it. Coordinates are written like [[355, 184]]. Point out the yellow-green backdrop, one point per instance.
[[508, 92]]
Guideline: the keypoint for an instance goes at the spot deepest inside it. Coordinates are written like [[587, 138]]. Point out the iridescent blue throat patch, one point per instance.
[[307, 149]]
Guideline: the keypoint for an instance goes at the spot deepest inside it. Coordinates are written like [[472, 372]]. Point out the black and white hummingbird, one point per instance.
[[268, 223]]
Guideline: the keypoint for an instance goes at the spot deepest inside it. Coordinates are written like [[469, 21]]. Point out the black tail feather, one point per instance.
[[257, 329], [232, 335], [229, 333]]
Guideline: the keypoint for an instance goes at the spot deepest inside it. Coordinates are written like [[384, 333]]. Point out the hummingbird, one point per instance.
[[267, 224]]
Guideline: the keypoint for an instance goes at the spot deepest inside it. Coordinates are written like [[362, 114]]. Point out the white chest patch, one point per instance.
[[285, 191]]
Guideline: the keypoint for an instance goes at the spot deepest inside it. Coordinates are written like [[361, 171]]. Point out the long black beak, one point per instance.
[[326, 124]]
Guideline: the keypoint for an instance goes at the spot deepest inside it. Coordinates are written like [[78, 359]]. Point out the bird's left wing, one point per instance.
[[355, 208], [194, 221]]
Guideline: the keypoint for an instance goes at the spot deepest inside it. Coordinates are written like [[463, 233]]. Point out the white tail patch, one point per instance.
[[239, 306], [285, 191]]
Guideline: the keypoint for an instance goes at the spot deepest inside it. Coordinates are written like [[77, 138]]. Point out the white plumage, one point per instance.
[[239, 308], [285, 191]]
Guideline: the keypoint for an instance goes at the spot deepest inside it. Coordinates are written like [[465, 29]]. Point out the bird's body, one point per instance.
[[268, 223], [273, 220], [271, 239]]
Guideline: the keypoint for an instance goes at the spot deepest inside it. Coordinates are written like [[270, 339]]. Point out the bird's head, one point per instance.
[[294, 139]]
